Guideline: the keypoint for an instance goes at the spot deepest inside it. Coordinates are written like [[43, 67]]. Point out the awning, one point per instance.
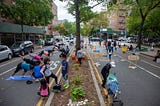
[[15, 28]]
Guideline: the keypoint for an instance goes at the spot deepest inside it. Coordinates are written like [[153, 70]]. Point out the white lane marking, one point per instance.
[[9, 62], [54, 65], [150, 64], [7, 71], [142, 68]]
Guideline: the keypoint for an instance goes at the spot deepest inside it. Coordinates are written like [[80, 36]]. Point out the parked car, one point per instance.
[[22, 47], [5, 52], [95, 39], [49, 41]]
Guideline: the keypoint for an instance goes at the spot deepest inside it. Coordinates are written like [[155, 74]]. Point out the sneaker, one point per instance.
[[67, 86], [36, 80], [64, 85], [11, 77]]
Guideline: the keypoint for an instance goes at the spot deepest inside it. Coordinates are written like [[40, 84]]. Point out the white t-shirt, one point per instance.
[[46, 70], [79, 53]]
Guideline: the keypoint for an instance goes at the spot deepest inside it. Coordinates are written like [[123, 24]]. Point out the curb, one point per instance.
[[147, 55], [101, 99], [98, 77]]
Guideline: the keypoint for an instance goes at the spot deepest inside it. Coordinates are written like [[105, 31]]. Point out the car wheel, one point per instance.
[[32, 50], [22, 53], [9, 56]]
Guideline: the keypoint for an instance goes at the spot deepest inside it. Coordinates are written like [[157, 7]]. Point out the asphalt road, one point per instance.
[[18, 93], [139, 86]]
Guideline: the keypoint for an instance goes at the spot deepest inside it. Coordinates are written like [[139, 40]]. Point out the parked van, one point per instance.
[[49, 41]]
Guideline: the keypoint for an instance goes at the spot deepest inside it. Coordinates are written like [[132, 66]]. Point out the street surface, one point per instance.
[[139, 86], [18, 93]]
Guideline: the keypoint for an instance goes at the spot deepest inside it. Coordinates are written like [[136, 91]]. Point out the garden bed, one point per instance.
[[81, 90]]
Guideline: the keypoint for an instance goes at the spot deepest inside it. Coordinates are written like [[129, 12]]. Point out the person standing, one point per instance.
[[105, 72], [79, 55], [65, 71]]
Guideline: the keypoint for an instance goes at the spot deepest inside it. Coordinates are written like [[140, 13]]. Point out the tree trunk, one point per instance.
[[140, 33], [77, 25]]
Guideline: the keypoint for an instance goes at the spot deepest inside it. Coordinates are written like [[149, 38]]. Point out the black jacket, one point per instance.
[[105, 69]]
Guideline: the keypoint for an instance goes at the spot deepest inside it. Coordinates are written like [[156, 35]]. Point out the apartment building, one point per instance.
[[117, 19]]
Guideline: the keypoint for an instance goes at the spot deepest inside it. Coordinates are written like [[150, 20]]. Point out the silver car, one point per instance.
[[5, 52]]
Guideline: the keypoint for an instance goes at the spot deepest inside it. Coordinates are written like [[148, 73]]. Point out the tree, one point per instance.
[[82, 11], [99, 21], [66, 28], [142, 9], [151, 27], [28, 12]]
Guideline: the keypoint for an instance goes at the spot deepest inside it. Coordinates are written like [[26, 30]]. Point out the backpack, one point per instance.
[[44, 92], [57, 88]]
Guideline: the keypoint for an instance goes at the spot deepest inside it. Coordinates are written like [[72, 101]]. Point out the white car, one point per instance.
[[5, 52]]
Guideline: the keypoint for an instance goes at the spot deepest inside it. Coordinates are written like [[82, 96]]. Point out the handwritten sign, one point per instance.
[[133, 57]]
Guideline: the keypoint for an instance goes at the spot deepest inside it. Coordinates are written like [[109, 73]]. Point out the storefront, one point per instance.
[[10, 33]]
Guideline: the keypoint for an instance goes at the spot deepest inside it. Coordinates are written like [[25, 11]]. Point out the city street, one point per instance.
[[139, 86], [18, 93]]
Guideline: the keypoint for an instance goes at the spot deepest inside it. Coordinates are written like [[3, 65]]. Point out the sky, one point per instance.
[[63, 13]]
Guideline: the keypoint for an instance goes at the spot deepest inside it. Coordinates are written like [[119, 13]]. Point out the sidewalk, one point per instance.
[[149, 52]]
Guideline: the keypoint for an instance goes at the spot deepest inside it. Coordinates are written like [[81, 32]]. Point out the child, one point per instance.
[[105, 73], [67, 50], [36, 72], [44, 88], [79, 55], [65, 70], [63, 52], [45, 70]]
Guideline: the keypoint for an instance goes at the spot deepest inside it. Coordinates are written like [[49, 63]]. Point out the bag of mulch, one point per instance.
[[57, 88]]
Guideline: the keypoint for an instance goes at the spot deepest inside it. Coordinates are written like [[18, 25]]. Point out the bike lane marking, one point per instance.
[[7, 71], [9, 62]]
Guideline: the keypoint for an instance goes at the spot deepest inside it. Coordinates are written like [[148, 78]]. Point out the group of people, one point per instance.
[[39, 69], [110, 47]]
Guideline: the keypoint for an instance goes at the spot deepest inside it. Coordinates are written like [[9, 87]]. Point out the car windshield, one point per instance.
[[95, 39], [16, 45]]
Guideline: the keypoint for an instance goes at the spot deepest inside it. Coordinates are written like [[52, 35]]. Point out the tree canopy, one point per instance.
[[28, 12], [143, 14]]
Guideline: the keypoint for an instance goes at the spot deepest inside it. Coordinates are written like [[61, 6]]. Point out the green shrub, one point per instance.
[[77, 80], [76, 65], [77, 92]]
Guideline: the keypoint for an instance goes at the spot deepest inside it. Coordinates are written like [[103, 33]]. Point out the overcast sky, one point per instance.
[[63, 13]]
